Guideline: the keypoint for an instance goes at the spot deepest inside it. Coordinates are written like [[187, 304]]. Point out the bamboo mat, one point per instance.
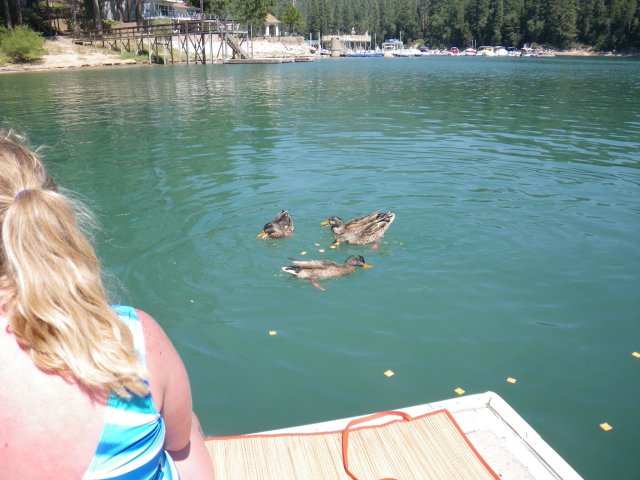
[[430, 446]]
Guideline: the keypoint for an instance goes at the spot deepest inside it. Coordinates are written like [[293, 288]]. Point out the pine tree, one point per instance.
[[292, 17], [253, 12]]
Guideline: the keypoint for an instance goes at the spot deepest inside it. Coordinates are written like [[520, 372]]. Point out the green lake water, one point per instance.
[[514, 253]]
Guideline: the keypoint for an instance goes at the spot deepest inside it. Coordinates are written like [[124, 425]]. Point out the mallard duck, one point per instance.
[[319, 269], [281, 226], [361, 230]]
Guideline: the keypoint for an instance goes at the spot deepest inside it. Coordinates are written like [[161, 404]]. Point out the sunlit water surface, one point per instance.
[[514, 252]]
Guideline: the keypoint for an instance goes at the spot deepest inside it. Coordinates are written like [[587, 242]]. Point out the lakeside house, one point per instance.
[[124, 10], [174, 9]]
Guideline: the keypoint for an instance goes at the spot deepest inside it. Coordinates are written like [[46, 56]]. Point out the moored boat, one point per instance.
[[485, 51], [500, 51], [391, 46], [364, 53], [395, 48]]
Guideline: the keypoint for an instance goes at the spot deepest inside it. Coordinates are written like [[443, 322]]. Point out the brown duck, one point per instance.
[[281, 226], [320, 269], [361, 230]]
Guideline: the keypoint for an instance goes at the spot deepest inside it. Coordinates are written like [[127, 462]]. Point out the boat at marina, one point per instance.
[[364, 53], [485, 51], [395, 48], [391, 46], [500, 51], [513, 52], [537, 52]]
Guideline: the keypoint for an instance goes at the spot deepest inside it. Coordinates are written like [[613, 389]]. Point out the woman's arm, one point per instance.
[[171, 393], [191, 459]]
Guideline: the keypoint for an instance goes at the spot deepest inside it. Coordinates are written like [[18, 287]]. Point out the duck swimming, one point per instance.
[[361, 230], [279, 227], [320, 269]]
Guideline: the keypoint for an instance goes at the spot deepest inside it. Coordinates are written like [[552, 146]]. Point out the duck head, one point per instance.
[[357, 261], [336, 223], [268, 230]]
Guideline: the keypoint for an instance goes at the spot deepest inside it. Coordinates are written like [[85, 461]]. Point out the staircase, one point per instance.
[[234, 43]]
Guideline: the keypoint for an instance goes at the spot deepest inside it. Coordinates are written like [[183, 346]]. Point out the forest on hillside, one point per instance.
[[603, 24], [610, 25]]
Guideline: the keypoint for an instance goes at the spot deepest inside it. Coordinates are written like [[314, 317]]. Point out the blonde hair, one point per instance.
[[51, 281]]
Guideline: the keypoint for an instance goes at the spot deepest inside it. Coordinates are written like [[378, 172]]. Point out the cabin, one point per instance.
[[169, 9], [125, 10]]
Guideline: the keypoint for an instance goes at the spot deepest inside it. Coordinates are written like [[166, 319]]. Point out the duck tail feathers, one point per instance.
[[386, 217]]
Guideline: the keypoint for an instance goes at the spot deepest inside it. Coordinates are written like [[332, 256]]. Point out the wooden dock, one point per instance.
[[240, 61], [177, 41]]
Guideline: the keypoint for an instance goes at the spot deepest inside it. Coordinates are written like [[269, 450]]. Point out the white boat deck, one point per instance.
[[506, 442]]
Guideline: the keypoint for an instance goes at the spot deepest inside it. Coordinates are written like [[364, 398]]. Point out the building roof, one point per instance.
[[271, 20]]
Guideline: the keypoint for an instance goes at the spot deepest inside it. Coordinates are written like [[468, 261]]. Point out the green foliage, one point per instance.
[[605, 24], [162, 27], [3, 58], [109, 24], [292, 17], [137, 56], [217, 7], [609, 24], [21, 45], [253, 12]]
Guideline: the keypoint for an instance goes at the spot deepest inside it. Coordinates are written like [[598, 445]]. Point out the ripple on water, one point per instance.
[[513, 253]]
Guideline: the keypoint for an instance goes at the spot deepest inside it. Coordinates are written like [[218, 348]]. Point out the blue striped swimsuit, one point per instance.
[[132, 440]]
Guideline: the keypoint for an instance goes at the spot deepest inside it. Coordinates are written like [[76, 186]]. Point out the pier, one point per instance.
[[199, 41], [340, 44]]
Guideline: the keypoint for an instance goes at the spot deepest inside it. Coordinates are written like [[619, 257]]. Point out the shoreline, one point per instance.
[[64, 54]]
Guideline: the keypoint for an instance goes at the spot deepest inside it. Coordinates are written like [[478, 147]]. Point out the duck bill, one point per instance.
[[325, 223], [367, 265], [261, 234]]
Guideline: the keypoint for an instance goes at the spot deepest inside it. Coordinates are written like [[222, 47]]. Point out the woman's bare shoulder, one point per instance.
[[155, 337], [168, 381]]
